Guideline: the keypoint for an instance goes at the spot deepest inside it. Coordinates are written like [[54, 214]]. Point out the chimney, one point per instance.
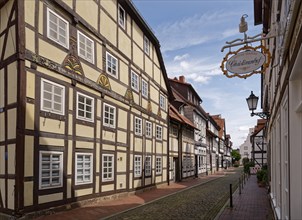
[[182, 79]]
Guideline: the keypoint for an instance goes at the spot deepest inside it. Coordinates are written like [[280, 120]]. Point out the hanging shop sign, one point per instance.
[[245, 62]]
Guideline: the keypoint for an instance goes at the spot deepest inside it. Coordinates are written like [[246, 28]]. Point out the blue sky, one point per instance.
[[191, 34]]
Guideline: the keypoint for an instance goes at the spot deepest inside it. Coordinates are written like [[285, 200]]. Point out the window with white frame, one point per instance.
[[121, 17], [57, 28], [108, 167], [137, 166], [159, 132], [138, 126], [134, 81], [109, 115], [146, 45], [52, 97], [162, 102], [148, 166], [111, 65], [148, 129], [84, 168], [144, 88], [85, 107], [85, 47], [51, 169], [158, 165]]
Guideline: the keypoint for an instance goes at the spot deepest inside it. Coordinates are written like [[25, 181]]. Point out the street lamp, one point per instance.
[[252, 102]]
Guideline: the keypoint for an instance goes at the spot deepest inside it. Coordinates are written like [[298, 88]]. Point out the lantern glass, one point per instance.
[[252, 101]]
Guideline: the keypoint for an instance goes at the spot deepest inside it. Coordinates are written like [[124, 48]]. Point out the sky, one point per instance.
[[191, 34]]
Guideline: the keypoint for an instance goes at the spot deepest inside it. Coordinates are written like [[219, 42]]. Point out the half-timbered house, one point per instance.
[[83, 103]]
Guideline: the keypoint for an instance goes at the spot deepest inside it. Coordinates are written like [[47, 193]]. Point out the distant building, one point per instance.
[[245, 149]]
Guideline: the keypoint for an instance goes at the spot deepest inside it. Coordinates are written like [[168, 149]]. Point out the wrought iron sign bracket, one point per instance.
[[263, 115]]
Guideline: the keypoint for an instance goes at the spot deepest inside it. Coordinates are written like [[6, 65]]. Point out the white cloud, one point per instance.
[[243, 128], [181, 57]]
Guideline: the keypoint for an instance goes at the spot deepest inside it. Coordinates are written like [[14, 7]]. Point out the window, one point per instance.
[[121, 17], [109, 115], [111, 65], [85, 47], [158, 165], [52, 96], [148, 166], [83, 168], [146, 45], [108, 167], [134, 81], [144, 88], [137, 166], [138, 126], [162, 102], [148, 129], [57, 28], [51, 169], [159, 135], [85, 107]]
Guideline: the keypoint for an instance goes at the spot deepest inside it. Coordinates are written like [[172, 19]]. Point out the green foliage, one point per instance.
[[247, 166], [245, 161], [236, 155], [262, 175], [236, 165]]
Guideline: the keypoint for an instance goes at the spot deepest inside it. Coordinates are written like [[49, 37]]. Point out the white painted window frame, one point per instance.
[[86, 55], [159, 132], [138, 125], [148, 129], [104, 117], [134, 81], [103, 167], [57, 40], [114, 67], [41, 153], [158, 165], [85, 104], [52, 110], [137, 166], [148, 166], [121, 20], [145, 89], [90, 169], [162, 102]]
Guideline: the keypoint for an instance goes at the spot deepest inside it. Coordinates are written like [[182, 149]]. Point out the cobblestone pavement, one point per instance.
[[200, 202]]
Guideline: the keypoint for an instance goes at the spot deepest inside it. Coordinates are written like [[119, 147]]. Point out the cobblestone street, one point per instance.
[[201, 202]]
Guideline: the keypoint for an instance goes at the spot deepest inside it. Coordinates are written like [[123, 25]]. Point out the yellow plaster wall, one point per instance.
[[98, 129], [110, 7], [157, 74], [138, 35], [82, 192], [148, 66], [29, 15], [148, 181], [155, 58], [28, 193], [68, 2], [84, 131], [159, 148], [108, 28], [99, 50], [11, 158], [50, 198], [2, 161], [53, 74], [29, 117], [11, 43], [84, 144], [70, 124], [122, 136], [69, 185], [29, 156], [90, 73], [98, 150], [154, 95], [51, 141], [108, 147], [56, 54], [12, 118], [30, 37], [108, 135], [121, 179], [138, 55], [117, 87], [10, 194], [148, 146], [4, 14], [70, 98], [138, 143], [124, 72], [89, 11], [97, 184], [12, 82], [69, 159], [30, 85], [137, 183], [121, 162], [52, 125], [106, 188], [124, 43], [2, 127], [1, 88], [136, 98]]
